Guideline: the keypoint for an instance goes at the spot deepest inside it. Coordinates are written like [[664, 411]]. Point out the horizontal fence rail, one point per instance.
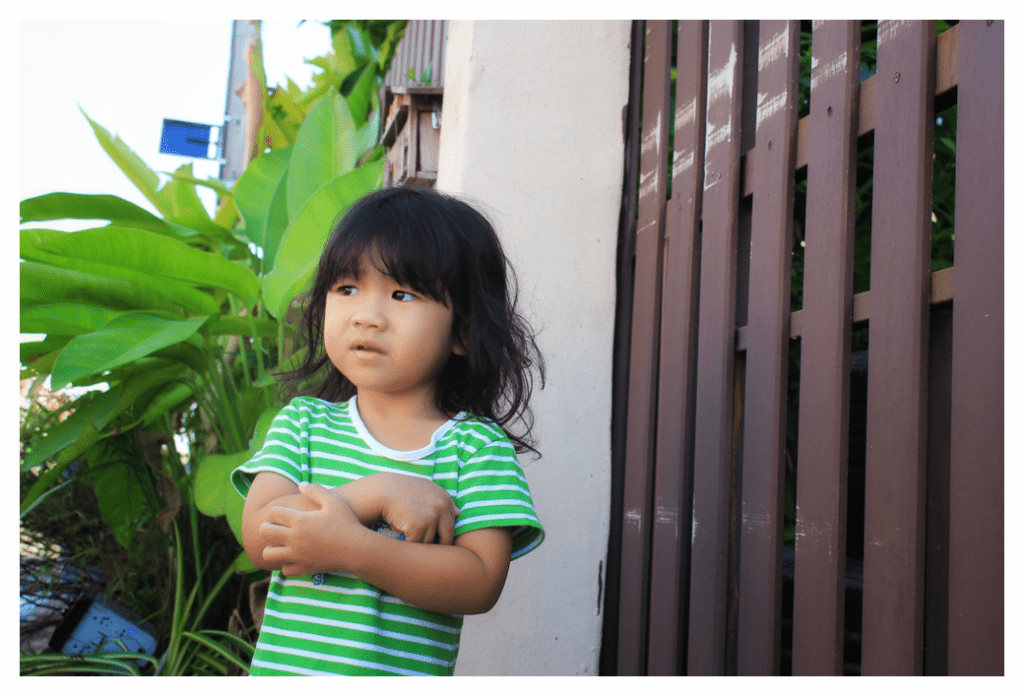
[[812, 477]]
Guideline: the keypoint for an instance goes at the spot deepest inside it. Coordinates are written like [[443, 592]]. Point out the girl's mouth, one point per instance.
[[366, 347]]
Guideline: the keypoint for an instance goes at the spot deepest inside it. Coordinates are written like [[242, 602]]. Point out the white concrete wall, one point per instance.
[[532, 129]]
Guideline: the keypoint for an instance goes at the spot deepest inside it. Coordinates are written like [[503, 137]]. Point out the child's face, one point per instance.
[[386, 338]]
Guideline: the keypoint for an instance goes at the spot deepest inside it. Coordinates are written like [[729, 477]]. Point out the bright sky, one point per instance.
[[128, 76]]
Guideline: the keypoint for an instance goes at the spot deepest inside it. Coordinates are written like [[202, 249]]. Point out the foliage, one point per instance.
[[179, 318]]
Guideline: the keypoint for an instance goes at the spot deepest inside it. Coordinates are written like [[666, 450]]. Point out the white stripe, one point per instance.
[[286, 431], [496, 487], [330, 658], [359, 628], [485, 518], [495, 474], [491, 503], [399, 618]]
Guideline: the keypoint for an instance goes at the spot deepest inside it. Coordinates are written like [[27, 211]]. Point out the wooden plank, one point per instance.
[[620, 366], [715, 353], [673, 482], [976, 583], [941, 291], [643, 369], [947, 51], [898, 362], [819, 587], [767, 359]]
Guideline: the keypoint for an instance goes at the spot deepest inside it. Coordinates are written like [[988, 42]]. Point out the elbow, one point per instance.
[[489, 597]]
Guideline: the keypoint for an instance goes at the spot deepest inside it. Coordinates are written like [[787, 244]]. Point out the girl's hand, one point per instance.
[[302, 542], [417, 508]]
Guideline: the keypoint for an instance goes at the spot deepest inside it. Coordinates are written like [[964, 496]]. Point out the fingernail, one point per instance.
[[303, 485]]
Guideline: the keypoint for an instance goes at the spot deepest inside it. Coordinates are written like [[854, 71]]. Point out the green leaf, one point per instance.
[[169, 398], [185, 175], [286, 114], [325, 149], [241, 326], [179, 195], [261, 200], [47, 284], [213, 487], [97, 409], [243, 564], [158, 258], [64, 319], [127, 338], [217, 648], [120, 495], [88, 437], [30, 350], [305, 237], [178, 292], [259, 434], [80, 206], [137, 171], [361, 98]]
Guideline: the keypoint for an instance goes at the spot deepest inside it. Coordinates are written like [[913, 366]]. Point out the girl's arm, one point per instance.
[[418, 508], [465, 578]]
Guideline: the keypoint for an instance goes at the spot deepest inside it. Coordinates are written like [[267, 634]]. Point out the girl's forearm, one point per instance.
[[465, 578]]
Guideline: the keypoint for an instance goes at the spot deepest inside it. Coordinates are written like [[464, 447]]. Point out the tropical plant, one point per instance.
[[178, 319]]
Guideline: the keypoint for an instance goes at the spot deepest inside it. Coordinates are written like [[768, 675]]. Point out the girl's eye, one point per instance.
[[403, 296], [342, 289]]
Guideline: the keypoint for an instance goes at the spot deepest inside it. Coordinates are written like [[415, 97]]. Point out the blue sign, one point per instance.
[[185, 138]]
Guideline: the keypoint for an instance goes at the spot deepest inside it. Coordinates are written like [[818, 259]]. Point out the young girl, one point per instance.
[[419, 358]]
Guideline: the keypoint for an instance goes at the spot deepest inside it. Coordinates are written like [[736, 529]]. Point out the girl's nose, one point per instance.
[[370, 312]]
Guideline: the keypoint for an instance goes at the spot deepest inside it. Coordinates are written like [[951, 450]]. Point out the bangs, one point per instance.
[[408, 248]]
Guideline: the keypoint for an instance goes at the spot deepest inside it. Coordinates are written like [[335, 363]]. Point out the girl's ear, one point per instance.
[[459, 347]]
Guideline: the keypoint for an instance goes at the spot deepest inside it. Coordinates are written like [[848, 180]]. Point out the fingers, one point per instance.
[[315, 492], [446, 530]]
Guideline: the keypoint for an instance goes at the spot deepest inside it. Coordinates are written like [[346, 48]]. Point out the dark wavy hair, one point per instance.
[[443, 248]]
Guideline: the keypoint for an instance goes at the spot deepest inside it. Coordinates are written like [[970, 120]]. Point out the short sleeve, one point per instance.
[[285, 451], [492, 492]]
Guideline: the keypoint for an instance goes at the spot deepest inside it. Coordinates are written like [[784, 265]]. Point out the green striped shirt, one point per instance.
[[334, 623]]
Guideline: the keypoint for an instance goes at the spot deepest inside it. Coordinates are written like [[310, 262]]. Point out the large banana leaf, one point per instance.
[[65, 319], [156, 255], [181, 293], [46, 284], [81, 206], [137, 171], [305, 237], [325, 149], [126, 338], [260, 197]]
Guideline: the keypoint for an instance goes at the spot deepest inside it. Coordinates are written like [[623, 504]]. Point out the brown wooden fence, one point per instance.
[[902, 458]]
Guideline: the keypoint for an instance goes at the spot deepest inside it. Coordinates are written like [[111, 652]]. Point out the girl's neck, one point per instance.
[[399, 423]]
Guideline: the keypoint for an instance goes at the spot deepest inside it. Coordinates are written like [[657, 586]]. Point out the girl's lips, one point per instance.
[[366, 347]]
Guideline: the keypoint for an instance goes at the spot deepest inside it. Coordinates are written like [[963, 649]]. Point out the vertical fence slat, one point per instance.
[[825, 351], [673, 483], [767, 357], [643, 369], [715, 352], [894, 510], [976, 581]]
